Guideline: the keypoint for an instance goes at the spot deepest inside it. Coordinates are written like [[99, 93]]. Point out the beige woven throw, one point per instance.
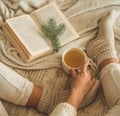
[[49, 68]]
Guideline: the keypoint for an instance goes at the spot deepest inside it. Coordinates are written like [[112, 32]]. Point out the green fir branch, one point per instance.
[[52, 31]]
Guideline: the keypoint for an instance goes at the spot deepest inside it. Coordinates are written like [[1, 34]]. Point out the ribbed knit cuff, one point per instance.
[[110, 53], [64, 108]]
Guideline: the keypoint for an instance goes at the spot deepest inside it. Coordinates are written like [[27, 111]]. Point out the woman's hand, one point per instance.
[[81, 83]]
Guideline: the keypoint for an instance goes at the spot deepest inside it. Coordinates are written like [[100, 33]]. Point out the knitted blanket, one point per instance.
[[84, 16]]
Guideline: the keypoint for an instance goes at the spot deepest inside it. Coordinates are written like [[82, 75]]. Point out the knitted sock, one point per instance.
[[103, 47], [51, 97]]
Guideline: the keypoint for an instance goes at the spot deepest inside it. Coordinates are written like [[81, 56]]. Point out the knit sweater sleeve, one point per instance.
[[64, 109]]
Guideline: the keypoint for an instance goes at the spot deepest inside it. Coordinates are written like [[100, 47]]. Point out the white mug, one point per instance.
[[74, 58]]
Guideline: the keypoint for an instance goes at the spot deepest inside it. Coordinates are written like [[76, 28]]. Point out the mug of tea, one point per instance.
[[74, 58]]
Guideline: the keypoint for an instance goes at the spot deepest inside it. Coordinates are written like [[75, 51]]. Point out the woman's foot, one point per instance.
[[103, 47], [105, 30]]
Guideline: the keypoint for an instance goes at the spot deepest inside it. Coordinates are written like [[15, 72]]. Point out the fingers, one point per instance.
[[85, 66], [73, 72], [93, 80]]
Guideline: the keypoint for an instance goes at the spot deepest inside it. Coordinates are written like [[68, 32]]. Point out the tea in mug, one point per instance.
[[74, 58]]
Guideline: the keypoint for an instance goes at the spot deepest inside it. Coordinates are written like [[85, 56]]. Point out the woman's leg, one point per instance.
[[16, 89], [110, 79], [102, 51], [2, 110]]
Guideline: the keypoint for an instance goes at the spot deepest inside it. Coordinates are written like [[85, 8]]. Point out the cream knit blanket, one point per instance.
[[84, 16]]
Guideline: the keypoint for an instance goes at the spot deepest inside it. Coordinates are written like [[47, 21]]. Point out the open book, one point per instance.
[[24, 32]]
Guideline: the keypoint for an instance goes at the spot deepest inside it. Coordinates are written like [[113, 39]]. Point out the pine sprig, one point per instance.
[[52, 31]]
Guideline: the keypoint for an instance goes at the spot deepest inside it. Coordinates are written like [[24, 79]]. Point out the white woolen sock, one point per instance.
[[13, 87], [103, 46]]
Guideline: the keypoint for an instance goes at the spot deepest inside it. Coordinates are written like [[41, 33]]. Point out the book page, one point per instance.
[[28, 34], [42, 15]]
